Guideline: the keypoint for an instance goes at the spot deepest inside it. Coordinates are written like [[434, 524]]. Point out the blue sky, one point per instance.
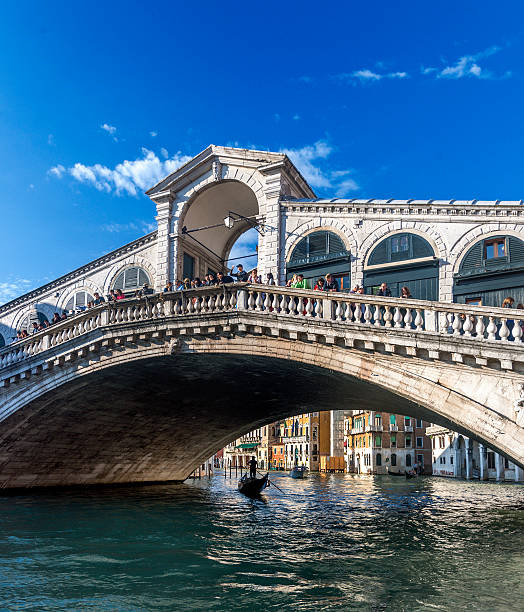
[[377, 99]]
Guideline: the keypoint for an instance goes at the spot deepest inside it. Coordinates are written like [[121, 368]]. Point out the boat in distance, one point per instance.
[[299, 471], [252, 486]]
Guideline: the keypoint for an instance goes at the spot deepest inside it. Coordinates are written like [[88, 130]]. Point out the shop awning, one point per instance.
[[250, 445]]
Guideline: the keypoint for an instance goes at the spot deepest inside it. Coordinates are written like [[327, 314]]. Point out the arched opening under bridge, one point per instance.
[[156, 418]]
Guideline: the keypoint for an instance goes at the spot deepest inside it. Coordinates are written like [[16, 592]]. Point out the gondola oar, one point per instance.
[[278, 488]]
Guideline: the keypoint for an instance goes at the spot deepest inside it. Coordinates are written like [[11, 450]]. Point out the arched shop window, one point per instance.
[[33, 317], [131, 278], [400, 260], [79, 301], [318, 254], [491, 270]]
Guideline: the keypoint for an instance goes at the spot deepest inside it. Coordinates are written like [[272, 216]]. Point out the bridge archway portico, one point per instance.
[[203, 191], [149, 397]]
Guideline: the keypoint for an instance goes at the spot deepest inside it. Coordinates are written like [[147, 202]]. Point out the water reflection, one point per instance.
[[336, 542]]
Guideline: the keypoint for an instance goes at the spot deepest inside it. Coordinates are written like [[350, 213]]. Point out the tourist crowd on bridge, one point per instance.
[[327, 283]]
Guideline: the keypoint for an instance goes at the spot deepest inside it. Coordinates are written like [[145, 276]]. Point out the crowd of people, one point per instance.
[[328, 283]]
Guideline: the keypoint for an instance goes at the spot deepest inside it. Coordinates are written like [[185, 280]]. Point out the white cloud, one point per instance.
[[110, 129], [369, 76], [153, 134], [57, 171], [13, 288], [31, 187], [468, 66], [164, 152], [127, 177], [310, 159], [50, 140], [114, 228], [296, 117]]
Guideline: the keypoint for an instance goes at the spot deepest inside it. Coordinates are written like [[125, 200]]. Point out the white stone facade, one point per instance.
[[457, 456], [266, 188]]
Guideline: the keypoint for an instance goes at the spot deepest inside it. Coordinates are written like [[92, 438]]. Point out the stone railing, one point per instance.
[[480, 322], [493, 326]]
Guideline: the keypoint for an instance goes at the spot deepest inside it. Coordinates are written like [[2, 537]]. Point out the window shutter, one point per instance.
[[473, 258], [516, 250], [131, 278]]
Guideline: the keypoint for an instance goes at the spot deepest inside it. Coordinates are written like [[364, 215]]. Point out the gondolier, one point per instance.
[[253, 464]]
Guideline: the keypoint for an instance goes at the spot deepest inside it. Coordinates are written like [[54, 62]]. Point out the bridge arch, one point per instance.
[[425, 231], [208, 204], [153, 407], [480, 278], [134, 261], [325, 224]]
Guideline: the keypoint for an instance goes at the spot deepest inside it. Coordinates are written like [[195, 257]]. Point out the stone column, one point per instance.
[[469, 456], [499, 466], [518, 474], [483, 454], [163, 259]]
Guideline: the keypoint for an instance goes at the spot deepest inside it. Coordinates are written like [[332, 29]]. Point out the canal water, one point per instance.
[[329, 542]]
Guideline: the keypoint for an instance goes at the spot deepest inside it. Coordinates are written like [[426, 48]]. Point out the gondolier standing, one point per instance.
[[253, 464]]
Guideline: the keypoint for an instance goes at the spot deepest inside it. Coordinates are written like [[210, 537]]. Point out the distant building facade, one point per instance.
[[457, 456], [375, 442]]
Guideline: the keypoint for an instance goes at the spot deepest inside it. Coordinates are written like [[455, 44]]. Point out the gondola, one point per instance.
[[395, 473], [299, 471], [408, 475], [252, 486]]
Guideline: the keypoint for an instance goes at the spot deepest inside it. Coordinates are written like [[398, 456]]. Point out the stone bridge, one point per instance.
[[146, 389]]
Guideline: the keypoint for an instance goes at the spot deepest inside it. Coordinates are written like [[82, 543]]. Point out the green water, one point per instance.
[[335, 542]]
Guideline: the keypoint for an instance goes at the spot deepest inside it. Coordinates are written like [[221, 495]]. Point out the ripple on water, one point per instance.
[[329, 542]]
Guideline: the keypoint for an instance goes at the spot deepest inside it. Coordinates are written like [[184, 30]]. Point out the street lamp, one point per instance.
[[233, 217]]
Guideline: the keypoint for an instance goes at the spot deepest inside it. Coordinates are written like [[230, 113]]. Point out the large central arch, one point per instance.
[[155, 411]]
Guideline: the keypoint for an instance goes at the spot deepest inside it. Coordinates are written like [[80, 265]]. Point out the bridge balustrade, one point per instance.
[[483, 324]]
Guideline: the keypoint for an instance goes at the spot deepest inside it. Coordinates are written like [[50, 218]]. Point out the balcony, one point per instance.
[[408, 429], [357, 430], [373, 428], [393, 427]]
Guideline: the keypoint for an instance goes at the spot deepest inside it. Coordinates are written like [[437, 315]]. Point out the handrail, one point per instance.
[[479, 323]]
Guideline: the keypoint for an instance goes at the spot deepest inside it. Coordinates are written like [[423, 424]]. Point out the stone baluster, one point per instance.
[[457, 324], [267, 302], [397, 318], [516, 332], [232, 300], [408, 318], [419, 320], [319, 310], [468, 326], [491, 329], [300, 306], [388, 316], [377, 316], [251, 301], [292, 307], [259, 302], [479, 327], [367, 315], [309, 308], [504, 330], [190, 305], [275, 302], [348, 312], [198, 305], [339, 310]]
